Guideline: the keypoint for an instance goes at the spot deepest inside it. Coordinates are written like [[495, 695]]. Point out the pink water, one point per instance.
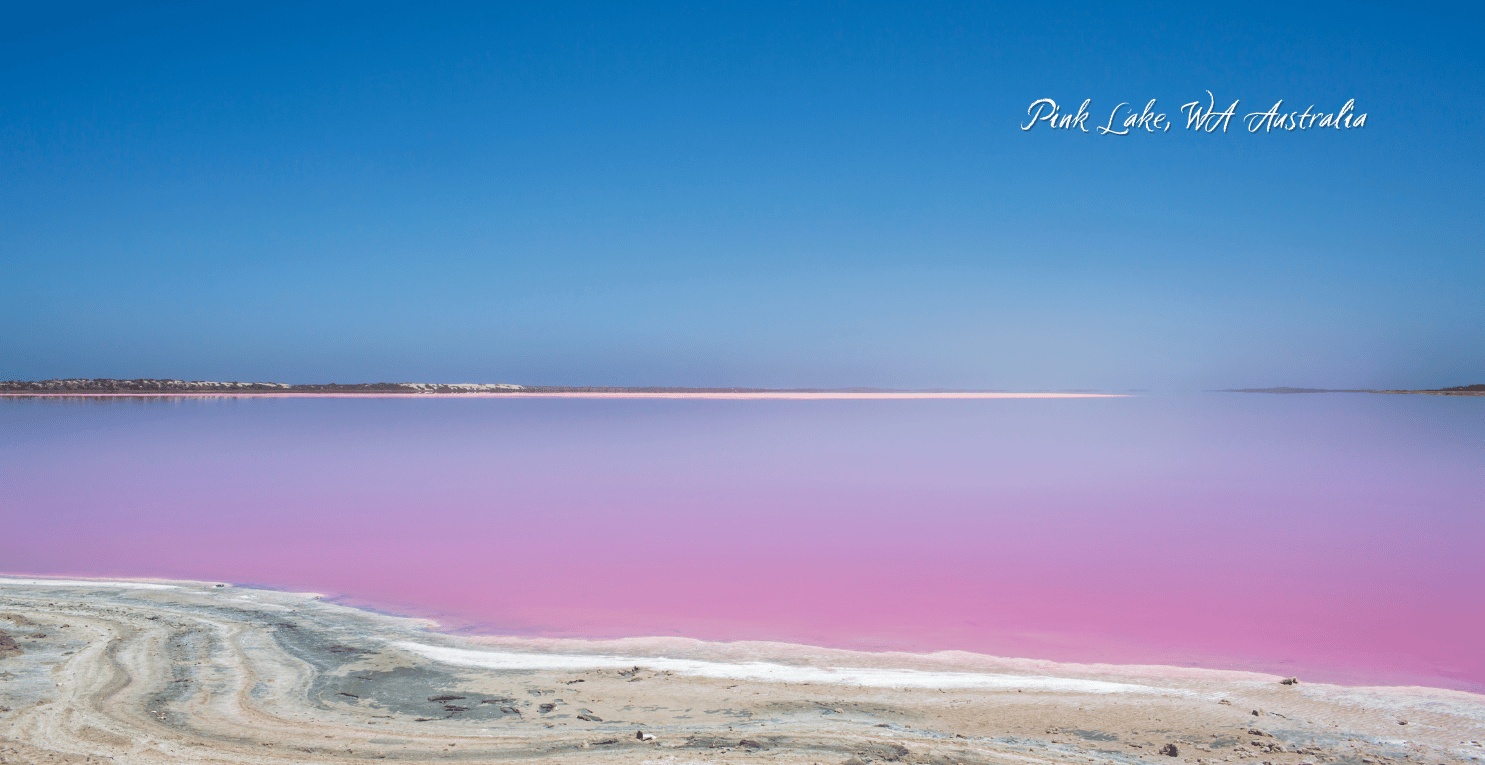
[[1332, 536]]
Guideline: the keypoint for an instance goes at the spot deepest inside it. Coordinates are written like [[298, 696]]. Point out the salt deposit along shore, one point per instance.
[[190, 672]]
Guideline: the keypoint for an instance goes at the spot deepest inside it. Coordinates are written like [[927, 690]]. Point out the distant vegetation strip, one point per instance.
[[152, 386], [162, 386], [1458, 390], [207, 386]]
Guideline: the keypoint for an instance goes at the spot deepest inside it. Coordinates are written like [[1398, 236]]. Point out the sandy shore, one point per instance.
[[183, 672]]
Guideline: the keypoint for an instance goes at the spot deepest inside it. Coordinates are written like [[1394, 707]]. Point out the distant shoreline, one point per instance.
[[197, 388], [1462, 390], [713, 395], [94, 388]]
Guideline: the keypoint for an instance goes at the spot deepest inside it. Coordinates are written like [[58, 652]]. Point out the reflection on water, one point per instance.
[[1333, 536]]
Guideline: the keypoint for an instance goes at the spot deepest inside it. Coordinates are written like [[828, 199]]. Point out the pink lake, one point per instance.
[[1332, 536]]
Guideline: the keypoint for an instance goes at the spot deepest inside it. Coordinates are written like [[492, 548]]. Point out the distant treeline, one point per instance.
[[1466, 390], [108, 385]]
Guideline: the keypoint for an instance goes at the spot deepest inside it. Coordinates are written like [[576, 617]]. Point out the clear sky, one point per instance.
[[812, 194]]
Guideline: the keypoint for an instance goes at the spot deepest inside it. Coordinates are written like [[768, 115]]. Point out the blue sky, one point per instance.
[[763, 194]]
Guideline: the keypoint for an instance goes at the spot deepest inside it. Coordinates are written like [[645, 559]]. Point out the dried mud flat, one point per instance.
[[181, 672]]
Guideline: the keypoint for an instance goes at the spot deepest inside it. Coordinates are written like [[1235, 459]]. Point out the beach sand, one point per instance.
[[189, 672]]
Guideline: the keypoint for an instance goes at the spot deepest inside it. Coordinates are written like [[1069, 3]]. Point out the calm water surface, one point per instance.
[[1334, 536]]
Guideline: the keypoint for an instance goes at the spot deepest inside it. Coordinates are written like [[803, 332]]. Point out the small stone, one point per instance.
[[748, 743], [1170, 750], [1258, 713], [1226, 702], [641, 735], [1289, 681], [547, 707]]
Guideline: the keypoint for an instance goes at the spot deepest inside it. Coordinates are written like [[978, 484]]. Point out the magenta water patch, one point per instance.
[[1331, 536]]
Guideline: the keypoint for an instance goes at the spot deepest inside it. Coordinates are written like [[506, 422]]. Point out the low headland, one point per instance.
[[154, 672], [1458, 390]]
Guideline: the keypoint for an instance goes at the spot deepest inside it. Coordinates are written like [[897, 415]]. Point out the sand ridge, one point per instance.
[[206, 673]]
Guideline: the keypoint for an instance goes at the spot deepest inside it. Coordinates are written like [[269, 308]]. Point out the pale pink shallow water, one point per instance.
[[1333, 536]]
